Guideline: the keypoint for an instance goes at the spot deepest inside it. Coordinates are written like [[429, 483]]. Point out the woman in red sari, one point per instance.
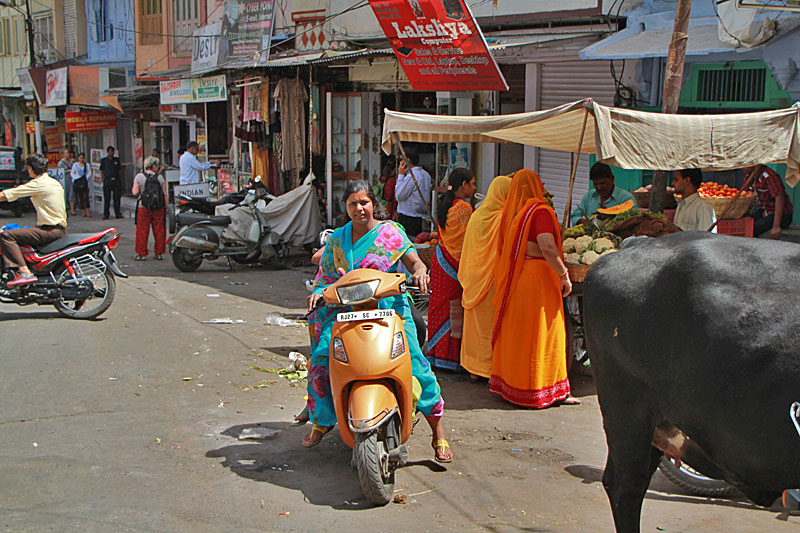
[[452, 217], [529, 363]]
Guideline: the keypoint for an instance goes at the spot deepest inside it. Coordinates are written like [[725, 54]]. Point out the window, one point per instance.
[[5, 38], [102, 29], [19, 35], [187, 18], [150, 21], [43, 37]]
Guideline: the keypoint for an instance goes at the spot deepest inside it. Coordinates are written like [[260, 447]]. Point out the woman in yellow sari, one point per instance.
[[529, 363], [476, 274]]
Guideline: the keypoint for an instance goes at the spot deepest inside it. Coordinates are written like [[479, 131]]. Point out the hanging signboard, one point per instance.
[[439, 45], [85, 121], [53, 138], [212, 89], [173, 109], [48, 114], [30, 127], [25, 83], [176, 92], [246, 30], [56, 87], [205, 52], [195, 190]]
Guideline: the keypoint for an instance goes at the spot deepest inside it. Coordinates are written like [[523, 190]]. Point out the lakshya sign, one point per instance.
[[91, 121], [439, 45]]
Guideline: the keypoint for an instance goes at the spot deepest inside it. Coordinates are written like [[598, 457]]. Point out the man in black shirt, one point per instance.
[[111, 172]]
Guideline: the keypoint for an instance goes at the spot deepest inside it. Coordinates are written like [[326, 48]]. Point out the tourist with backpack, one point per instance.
[[151, 190]]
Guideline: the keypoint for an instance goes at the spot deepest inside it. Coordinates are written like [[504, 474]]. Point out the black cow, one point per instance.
[[694, 342]]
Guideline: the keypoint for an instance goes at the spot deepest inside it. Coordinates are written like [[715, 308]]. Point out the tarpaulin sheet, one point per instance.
[[294, 216], [622, 137]]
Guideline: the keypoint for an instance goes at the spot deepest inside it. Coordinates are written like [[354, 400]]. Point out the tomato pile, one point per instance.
[[712, 189]]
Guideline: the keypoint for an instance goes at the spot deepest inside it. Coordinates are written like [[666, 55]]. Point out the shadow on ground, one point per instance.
[[323, 474]]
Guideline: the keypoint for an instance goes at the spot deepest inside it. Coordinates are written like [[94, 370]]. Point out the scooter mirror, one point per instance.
[[257, 179]]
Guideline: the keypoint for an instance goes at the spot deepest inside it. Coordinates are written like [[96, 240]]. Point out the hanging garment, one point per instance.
[[252, 108], [292, 95]]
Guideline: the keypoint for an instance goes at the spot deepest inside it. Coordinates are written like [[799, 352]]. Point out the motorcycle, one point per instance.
[[370, 377], [76, 275], [200, 237]]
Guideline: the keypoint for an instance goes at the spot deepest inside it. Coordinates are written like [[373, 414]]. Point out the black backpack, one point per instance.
[[152, 192]]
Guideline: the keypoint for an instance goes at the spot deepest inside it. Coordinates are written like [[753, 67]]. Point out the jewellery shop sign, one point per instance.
[[194, 90], [439, 45]]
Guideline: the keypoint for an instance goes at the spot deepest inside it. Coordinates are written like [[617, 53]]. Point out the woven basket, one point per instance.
[[741, 206], [426, 254], [643, 200], [577, 273]]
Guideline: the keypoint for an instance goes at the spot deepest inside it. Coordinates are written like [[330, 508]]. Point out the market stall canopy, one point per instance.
[[622, 137]]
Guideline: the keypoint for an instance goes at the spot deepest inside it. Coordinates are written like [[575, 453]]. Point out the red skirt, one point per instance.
[[444, 351]]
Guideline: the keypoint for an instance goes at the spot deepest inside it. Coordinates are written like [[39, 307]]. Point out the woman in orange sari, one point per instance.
[[476, 274], [529, 363], [453, 212]]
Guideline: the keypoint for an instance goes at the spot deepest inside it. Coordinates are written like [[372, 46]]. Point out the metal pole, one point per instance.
[[574, 164], [672, 91], [32, 54]]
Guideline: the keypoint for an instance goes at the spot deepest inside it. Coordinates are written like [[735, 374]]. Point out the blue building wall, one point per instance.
[[105, 42]]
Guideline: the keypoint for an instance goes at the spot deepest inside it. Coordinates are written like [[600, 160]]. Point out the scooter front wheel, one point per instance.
[[186, 260], [374, 473]]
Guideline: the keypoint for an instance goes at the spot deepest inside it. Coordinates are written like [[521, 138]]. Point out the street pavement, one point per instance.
[[131, 423]]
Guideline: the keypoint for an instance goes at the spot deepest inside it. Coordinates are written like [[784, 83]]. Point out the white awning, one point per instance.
[[622, 137]]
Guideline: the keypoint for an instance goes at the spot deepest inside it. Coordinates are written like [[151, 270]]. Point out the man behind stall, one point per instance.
[[47, 196], [693, 213], [773, 211], [604, 194]]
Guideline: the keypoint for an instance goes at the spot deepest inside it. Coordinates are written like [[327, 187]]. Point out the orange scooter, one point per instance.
[[370, 374]]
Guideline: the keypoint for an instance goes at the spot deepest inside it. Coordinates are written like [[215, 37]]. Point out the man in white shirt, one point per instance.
[[411, 205], [693, 213], [190, 166]]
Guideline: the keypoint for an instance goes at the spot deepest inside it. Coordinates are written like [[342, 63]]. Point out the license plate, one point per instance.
[[365, 315]]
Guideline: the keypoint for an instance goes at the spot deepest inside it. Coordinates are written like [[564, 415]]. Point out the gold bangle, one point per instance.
[[566, 271]]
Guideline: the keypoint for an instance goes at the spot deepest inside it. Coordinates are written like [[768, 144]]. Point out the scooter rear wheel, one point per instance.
[[186, 261], [372, 461]]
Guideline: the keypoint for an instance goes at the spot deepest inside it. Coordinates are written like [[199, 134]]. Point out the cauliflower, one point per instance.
[[602, 244], [573, 258], [568, 245], [582, 243], [610, 251], [589, 257]]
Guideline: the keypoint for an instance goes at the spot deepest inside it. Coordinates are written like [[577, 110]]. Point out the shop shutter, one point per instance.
[[70, 35], [564, 82]]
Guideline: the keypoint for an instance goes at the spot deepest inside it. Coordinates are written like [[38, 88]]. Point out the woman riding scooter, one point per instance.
[[368, 243]]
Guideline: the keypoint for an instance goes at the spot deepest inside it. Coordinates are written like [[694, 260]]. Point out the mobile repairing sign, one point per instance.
[[439, 45]]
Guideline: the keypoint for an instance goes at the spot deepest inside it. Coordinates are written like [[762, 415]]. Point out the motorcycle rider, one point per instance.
[[47, 196]]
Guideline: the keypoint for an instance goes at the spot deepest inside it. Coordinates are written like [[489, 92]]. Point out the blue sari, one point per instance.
[[381, 248]]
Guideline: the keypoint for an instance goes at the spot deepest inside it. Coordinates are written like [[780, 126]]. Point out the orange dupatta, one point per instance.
[[525, 197]]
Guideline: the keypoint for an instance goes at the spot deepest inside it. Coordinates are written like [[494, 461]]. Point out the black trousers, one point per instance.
[[762, 224], [412, 225], [112, 186]]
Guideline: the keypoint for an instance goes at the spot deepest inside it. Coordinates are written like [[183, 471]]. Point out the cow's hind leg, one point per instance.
[[631, 462]]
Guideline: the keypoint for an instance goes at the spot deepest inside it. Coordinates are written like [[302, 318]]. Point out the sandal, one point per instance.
[[570, 400], [441, 443], [140, 257], [301, 417], [158, 257], [322, 430]]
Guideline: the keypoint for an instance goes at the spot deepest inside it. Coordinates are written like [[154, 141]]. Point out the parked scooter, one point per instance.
[[200, 237], [76, 275], [184, 203], [370, 376]]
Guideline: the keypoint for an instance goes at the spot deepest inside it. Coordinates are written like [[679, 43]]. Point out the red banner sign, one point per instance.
[[30, 127], [439, 45], [53, 137], [53, 158], [91, 120]]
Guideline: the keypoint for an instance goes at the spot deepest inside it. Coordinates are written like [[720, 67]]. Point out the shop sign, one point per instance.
[[88, 121], [205, 52], [246, 30], [53, 138], [212, 89], [224, 185], [25, 83], [48, 114], [176, 92], [173, 109], [30, 127], [439, 45], [56, 87], [201, 140], [195, 190], [138, 151], [9, 135]]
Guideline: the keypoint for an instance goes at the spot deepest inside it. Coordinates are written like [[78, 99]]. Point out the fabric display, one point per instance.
[[291, 94]]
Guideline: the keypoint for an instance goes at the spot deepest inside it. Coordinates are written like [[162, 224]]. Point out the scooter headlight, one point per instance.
[[398, 345], [338, 350], [358, 292]]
